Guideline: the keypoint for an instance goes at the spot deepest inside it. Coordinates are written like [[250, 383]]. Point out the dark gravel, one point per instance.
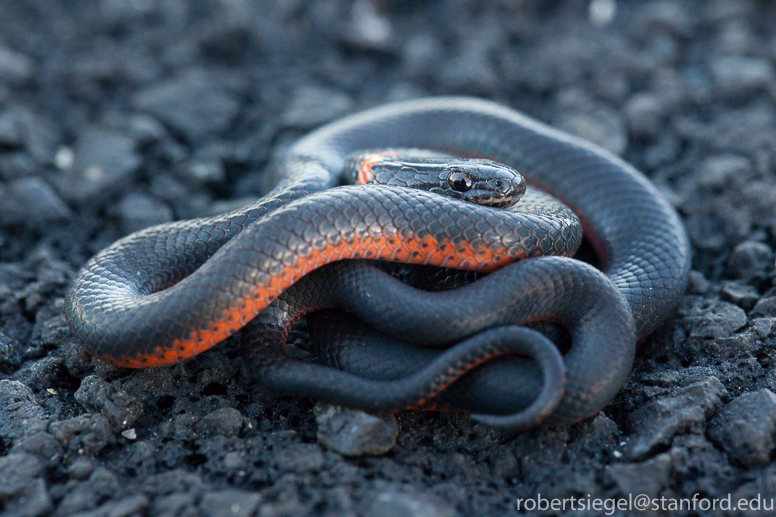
[[115, 115]]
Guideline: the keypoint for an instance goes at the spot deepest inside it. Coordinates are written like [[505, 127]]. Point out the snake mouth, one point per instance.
[[493, 199], [502, 201]]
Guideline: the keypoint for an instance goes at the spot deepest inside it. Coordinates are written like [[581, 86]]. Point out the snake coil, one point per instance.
[[172, 291]]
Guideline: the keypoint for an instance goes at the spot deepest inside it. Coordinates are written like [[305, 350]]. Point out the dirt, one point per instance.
[[180, 108]]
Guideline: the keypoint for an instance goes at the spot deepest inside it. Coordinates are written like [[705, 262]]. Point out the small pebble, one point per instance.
[[352, 432], [644, 112], [656, 423], [32, 202], [129, 434], [737, 75], [311, 106], [104, 162], [15, 67], [81, 468], [746, 427], [603, 126], [751, 260], [229, 503], [191, 104], [399, 503], [138, 211]]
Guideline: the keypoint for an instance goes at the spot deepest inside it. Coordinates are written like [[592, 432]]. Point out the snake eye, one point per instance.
[[460, 181]]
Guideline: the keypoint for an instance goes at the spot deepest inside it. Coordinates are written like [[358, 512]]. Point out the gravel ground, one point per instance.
[[115, 115]]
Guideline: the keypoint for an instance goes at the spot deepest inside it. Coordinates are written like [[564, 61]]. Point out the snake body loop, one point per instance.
[[172, 291]]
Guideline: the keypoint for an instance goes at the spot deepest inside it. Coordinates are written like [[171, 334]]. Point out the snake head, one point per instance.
[[483, 182]]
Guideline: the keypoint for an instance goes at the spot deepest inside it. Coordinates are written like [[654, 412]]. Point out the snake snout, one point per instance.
[[498, 185], [506, 191]]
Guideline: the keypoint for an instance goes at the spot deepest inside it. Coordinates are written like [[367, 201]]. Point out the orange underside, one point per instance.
[[365, 174], [423, 403], [426, 250]]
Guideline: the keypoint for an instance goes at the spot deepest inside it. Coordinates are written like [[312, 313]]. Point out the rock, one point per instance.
[[15, 67], [11, 352], [138, 211], [44, 446], [17, 164], [78, 501], [738, 75], [698, 283], [100, 485], [145, 128], [133, 505], [758, 491], [421, 52], [224, 421], [228, 43], [644, 112], [596, 434], [121, 409], [718, 319], [170, 189], [20, 413], [300, 458], [683, 377], [751, 260], [80, 469], [352, 432], [762, 327], [31, 202], [117, 11], [649, 477], [40, 135], [601, 13], [722, 171], [175, 504], [602, 126], [746, 427], [369, 29], [10, 130], [311, 106], [191, 104], [765, 307], [656, 423], [104, 162], [23, 491], [17, 471], [745, 296], [83, 435], [470, 69], [205, 171], [53, 329], [33, 501], [206, 166], [395, 503], [103, 482], [668, 16], [740, 131], [229, 503]]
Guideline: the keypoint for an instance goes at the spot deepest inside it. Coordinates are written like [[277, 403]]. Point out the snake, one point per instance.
[[169, 292]]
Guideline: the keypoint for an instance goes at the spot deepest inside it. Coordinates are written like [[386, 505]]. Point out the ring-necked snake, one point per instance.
[[169, 292]]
